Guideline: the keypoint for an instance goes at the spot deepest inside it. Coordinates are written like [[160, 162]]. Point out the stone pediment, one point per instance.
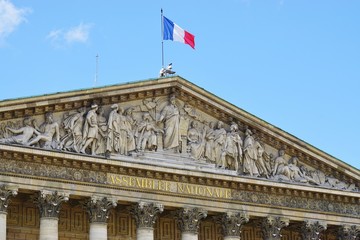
[[168, 123]]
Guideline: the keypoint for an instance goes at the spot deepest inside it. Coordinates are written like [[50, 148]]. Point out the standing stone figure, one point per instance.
[[24, 133], [171, 117], [232, 152], [124, 133], [130, 124], [262, 162], [90, 131], [219, 141], [48, 130], [250, 155], [101, 140], [209, 143], [73, 125], [113, 134]]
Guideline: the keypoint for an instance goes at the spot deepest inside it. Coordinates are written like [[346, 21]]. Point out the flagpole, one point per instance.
[[162, 39], [97, 67]]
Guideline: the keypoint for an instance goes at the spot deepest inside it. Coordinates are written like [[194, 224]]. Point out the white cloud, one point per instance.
[[10, 17], [78, 34], [54, 35]]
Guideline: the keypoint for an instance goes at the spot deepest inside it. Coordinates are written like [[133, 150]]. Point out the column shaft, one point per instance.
[[5, 193], [188, 220], [49, 228], [98, 209], [49, 204], [3, 225], [146, 215], [231, 238], [98, 231], [189, 236], [145, 233]]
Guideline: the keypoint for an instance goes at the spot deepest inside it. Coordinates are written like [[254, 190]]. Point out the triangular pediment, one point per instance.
[[169, 123]]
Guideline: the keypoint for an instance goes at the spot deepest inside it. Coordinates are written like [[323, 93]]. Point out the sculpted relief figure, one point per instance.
[[290, 170], [124, 133], [295, 172], [262, 161], [102, 136], [281, 167], [113, 135], [209, 143], [90, 130], [250, 155], [48, 131], [130, 124], [24, 134], [170, 114], [219, 141], [147, 134], [232, 151], [73, 125], [196, 141]]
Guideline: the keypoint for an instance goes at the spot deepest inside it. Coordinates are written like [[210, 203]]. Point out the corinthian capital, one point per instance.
[[5, 193], [271, 227], [349, 232], [310, 230], [98, 208], [49, 202], [232, 223], [146, 213], [188, 219]]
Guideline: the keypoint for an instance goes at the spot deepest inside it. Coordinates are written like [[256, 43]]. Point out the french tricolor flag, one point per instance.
[[175, 33]]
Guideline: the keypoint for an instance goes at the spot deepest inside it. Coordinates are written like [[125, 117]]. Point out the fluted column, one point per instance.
[[98, 209], [188, 221], [146, 215], [271, 227], [49, 204], [311, 230], [231, 224], [5, 194], [349, 232]]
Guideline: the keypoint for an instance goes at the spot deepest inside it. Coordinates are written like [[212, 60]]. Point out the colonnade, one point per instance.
[[147, 213]]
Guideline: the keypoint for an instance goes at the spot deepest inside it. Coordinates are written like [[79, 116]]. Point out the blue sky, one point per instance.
[[294, 64]]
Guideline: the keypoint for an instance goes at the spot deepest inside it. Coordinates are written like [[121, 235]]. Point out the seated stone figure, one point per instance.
[[281, 168], [196, 141], [147, 134]]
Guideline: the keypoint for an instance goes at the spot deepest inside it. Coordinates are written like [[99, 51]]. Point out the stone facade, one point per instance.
[[164, 159]]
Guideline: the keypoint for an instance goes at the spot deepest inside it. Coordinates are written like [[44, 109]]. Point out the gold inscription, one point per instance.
[[168, 186]]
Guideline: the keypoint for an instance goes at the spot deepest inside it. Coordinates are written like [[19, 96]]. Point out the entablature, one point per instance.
[[77, 169]]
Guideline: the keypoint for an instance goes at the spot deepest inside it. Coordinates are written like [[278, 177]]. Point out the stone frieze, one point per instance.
[[165, 124]]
